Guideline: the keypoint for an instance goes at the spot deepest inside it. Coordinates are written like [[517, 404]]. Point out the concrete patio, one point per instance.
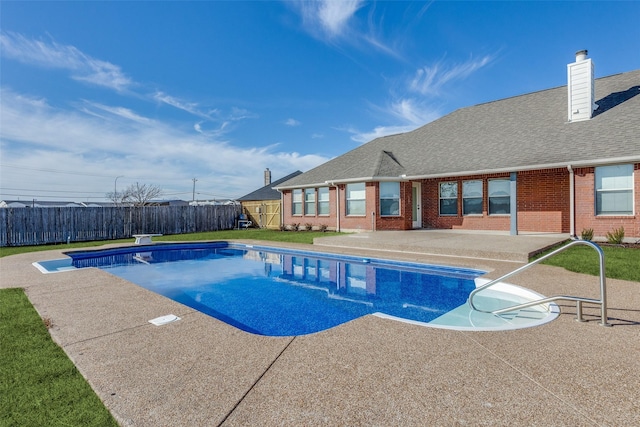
[[202, 372]]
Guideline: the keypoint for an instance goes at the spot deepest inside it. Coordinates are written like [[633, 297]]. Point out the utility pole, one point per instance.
[[115, 190], [194, 190]]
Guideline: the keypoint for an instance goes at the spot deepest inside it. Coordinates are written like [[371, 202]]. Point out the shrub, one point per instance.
[[308, 226], [616, 236], [323, 227], [587, 234], [295, 226]]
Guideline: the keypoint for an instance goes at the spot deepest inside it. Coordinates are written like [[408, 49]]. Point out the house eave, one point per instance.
[[334, 182], [574, 164]]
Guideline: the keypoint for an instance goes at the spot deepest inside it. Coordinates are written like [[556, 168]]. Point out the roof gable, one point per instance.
[[267, 192]]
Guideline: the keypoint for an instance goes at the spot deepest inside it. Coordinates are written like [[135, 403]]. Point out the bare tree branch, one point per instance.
[[141, 194]]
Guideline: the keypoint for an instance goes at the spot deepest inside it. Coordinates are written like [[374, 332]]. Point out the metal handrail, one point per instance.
[[579, 300]]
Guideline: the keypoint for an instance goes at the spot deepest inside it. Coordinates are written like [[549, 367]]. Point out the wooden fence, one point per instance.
[[37, 226]]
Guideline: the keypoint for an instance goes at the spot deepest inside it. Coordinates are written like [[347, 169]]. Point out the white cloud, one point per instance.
[[114, 141], [412, 111], [122, 112], [328, 18], [429, 80], [378, 132], [53, 55], [334, 22], [334, 15], [189, 107], [292, 122]]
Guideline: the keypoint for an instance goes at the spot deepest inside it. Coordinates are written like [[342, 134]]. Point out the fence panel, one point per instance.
[[37, 226]]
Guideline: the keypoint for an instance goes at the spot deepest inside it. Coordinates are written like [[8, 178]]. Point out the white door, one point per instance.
[[416, 207]]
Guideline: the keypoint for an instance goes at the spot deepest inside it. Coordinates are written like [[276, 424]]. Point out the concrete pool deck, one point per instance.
[[199, 371]]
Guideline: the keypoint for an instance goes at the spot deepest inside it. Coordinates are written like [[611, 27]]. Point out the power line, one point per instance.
[[51, 191], [4, 165]]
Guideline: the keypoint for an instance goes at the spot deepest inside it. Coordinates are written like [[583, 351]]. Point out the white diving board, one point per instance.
[[144, 239]]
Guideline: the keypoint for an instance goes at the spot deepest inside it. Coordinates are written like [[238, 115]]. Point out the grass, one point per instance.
[[620, 262], [39, 385], [257, 234]]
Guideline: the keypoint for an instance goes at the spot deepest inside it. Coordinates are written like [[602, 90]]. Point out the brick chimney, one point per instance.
[[267, 177], [581, 88]]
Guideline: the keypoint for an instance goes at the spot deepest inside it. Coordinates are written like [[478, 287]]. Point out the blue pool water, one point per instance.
[[277, 292]]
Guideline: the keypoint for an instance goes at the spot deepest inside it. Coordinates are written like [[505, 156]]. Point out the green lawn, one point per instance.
[[619, 262], [39, 385]]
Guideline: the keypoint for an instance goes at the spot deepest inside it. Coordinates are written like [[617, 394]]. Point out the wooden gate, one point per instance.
[[263, 213]]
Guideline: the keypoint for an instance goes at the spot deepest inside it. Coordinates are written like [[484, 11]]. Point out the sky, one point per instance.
[[199, 98]]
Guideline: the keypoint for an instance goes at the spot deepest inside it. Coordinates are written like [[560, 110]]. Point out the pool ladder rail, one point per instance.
[[579, 300]]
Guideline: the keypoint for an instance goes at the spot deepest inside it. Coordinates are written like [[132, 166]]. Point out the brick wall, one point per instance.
[[543, 206], [543, 203], [585, 207]]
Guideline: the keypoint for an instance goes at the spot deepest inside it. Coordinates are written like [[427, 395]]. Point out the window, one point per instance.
[[389, 198], [356, 199], [323, 201], [472, 197], [449, 198], [614, 190], [499, 197], [296, 208], [310, 201]]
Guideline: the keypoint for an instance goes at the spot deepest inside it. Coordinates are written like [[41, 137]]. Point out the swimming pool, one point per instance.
[[281, 292]]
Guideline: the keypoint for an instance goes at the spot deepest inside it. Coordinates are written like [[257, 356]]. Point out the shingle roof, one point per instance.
[[267, 192], [520, 133]]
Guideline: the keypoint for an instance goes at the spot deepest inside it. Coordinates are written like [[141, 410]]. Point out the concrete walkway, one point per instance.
[[492, 245], [370, 372]]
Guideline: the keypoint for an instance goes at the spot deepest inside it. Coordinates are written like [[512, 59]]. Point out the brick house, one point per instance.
[[559, 160]]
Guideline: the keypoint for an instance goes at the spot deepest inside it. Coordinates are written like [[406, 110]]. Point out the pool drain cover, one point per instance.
[[163, 320]]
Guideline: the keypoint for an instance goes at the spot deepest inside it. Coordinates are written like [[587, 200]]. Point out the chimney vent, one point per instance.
[[581, 88], [267, 177], [581, 55]]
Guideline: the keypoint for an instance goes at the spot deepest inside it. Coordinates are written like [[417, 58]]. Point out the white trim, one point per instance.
[[563, 165]]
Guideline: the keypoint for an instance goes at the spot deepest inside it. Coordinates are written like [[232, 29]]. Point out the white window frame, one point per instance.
[[324, 201], [296, 201], [356, 193], [489, 196], [472, 197], [310, 202], [620, 182], [441, 198], [394, 198]]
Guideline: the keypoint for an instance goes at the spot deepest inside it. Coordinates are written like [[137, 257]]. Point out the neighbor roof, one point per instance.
[[267, 192], [520, 133]]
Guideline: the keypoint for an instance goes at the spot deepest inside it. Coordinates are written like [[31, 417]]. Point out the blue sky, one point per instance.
[[164, 92]]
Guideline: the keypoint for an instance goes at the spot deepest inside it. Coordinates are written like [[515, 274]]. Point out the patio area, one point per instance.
[[376, 372]]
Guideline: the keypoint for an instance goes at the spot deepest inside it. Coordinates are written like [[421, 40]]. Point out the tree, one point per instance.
[[140, 195], [116, 197]]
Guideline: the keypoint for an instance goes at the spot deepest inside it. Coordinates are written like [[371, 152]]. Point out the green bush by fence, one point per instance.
[[37, 226]]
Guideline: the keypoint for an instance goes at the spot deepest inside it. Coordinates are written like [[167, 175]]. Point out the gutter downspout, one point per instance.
[[572, 203], [332, 184], [281, 209]]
